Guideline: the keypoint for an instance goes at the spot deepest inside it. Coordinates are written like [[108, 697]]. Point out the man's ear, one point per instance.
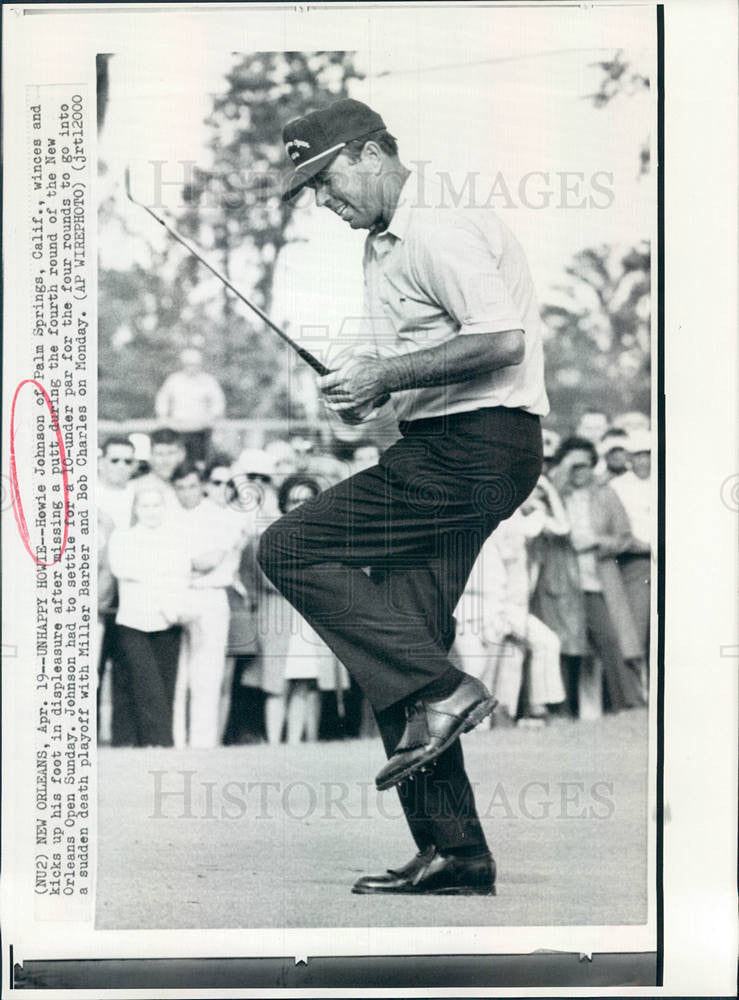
[[371, 156]]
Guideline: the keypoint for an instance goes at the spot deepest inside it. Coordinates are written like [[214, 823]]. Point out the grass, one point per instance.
[[259, 836]]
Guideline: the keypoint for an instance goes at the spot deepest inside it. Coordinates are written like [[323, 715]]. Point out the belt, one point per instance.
[[492, 415]]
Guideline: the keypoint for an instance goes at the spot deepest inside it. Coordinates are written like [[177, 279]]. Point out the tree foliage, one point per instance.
[[233, 212], [235, 209], [599, 321], [621, 78]]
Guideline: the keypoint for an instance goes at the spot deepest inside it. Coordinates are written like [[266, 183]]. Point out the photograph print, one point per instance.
[[376, 495]]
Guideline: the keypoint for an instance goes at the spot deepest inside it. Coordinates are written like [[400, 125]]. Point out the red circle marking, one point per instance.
[[15, 496]]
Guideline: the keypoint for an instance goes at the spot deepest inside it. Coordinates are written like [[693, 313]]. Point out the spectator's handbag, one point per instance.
[[243, 635]]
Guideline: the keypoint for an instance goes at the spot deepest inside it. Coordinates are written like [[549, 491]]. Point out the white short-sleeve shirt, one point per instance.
[[438, 271]]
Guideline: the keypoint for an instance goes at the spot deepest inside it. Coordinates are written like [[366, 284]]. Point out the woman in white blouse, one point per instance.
[[151, 561]]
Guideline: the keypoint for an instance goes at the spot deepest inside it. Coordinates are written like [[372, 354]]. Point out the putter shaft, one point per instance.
[[315, 364]]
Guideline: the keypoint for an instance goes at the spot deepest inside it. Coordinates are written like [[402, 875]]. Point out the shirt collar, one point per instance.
[[398, 225]]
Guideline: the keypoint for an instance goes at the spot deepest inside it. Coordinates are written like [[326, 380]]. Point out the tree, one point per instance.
[[598, 345], [235, 211], [144, 319], [620, 78]]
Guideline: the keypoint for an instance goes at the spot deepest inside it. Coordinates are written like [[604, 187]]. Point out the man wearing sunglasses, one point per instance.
[[114, 493], [454, 344]]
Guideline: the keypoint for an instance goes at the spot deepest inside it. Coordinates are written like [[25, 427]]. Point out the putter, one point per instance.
[[315, 364]]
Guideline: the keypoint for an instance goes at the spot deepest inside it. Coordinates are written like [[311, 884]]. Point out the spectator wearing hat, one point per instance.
[[634, 489], [285, 460], [254, 481], [633, 420], [592, 425], [614, 458], [191, 401]]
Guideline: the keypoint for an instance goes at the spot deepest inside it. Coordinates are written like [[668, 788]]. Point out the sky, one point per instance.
[[500, 93]]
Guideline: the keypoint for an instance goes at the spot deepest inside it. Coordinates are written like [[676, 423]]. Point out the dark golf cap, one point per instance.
[[313, 141]]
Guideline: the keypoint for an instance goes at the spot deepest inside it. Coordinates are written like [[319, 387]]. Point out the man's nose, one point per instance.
[[322, 195]]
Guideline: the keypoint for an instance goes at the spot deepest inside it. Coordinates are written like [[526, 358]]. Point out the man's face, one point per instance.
[[149, 508], [299, 494], [580, 468], [641, 464], [192, 362], [217, 486], [117, 465], [366, 456], [189, 490], [351, 190], [617, 460], [165, 458]]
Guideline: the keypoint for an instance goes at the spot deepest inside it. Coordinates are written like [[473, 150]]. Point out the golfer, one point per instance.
[[456, 347]]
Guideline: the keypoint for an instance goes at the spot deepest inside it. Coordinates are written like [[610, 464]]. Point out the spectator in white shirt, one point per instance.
[[497, 635], [115, 469], [191, 401], [216, 540], [114, 498], [152, 567]]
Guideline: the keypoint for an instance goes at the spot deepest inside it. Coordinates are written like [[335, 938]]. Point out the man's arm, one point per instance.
[[364, 380]]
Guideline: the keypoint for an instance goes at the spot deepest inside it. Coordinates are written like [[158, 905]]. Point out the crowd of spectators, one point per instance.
[[196, 648]]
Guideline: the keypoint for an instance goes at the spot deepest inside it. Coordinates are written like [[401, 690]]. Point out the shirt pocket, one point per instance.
[[416, 318]]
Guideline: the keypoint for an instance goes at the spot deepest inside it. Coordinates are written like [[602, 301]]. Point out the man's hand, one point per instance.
[[355, 389]]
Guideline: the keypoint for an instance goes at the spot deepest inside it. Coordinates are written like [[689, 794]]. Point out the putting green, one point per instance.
[[260, 836]]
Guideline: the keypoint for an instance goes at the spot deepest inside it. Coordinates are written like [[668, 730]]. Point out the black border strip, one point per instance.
[[661, 491], [559, 970]]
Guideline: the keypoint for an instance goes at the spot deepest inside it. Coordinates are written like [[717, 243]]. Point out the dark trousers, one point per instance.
[[150, 660], [123, 712], [418, 519]]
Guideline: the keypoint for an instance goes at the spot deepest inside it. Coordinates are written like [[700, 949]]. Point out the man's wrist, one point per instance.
[[397, 373]]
